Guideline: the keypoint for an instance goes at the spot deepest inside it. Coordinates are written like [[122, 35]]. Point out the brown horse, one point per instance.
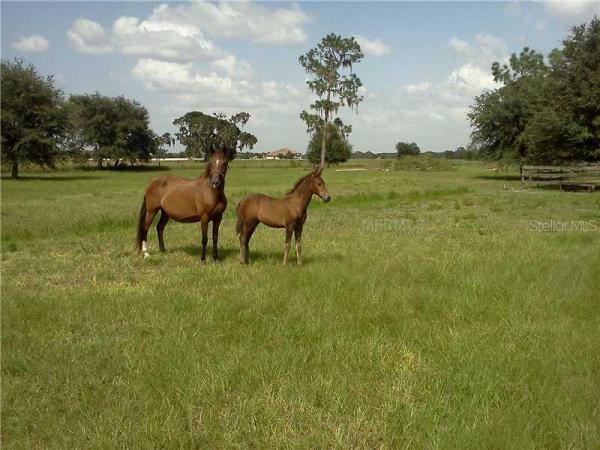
[[200, 200], [288, 212]]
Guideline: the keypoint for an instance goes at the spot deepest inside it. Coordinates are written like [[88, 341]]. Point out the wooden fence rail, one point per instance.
[[573, 178]]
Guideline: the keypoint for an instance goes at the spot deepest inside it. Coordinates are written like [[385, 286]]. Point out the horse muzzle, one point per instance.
[[326, 198]]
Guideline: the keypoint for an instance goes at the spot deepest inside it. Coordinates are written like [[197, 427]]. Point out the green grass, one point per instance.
[[429, 314]]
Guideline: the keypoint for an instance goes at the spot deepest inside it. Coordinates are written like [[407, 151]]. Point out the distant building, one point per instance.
[[283, 153]]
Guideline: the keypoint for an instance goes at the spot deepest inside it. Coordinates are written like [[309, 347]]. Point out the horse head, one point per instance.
[[317, 185]]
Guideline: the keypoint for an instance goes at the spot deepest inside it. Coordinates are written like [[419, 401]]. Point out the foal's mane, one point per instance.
[[299, 182]]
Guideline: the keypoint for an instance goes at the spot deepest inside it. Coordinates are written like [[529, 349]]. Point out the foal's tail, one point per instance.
[[140, 227]]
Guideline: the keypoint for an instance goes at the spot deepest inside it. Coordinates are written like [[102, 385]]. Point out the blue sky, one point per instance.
[[424, 62]]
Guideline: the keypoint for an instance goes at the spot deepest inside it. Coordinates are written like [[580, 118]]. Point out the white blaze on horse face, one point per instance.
[[145, 249]]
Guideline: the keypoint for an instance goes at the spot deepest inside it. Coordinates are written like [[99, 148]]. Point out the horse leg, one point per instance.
[[147, 223], [245, 235], [160, 228], [204, 239], [215, 235], [298, 237], [286, 247], [243, 252]]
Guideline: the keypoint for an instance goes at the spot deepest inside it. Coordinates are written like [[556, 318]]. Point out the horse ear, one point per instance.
[[318, 170]]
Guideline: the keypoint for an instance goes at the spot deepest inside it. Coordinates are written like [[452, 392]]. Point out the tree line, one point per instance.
[[545, 110], [41, 126]]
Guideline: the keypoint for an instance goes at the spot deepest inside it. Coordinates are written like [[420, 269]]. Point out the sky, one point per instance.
[[424, 61]]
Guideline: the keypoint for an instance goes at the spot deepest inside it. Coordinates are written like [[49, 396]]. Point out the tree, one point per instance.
[[338, 148], [566, 125], [33, 120], [113, 128], [543, 113], [247, 140], [163, 143], [499, 117], [197, 132], [405, 149], [333, 89]]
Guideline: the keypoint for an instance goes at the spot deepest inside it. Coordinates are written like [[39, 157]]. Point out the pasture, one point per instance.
[[442, 309]]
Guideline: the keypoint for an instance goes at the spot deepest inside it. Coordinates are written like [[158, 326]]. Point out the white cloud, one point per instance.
[[280, 26], [166, 40], [569, 10], [470, 79], [185, 83], [232, 67], [177, 77], [419, 87], [33, 43], [178, 33], [572, 8], [373, 47], [459, 46], [485, 50], [88, 36]]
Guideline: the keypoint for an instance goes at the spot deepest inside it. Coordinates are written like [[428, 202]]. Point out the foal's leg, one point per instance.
[[298, 236], [243, 252], [160, 228], [245, 236], [204, 239], [215, 235], [286, 248]]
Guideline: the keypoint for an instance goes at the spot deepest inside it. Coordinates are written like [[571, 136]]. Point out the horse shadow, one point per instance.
[[275, 256], [196, 250]]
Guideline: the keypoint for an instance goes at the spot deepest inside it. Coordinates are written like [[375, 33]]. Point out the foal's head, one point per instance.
[[317, 185], [217, 166]]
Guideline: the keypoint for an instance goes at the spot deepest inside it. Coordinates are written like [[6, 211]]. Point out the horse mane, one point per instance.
[[206, 171], [298, 183]]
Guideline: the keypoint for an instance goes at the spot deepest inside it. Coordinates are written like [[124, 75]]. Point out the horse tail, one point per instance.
[[140, 227], [240, 221]]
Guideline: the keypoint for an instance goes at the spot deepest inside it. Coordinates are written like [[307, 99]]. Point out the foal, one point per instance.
[[200, 200], [288, 212]]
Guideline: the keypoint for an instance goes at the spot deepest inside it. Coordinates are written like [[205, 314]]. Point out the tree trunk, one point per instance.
[[116, 163], [324, 143], [15, 169], [99, 164], [323, 146]]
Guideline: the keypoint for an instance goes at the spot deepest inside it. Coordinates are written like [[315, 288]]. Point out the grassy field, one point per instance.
[[441, 309]]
